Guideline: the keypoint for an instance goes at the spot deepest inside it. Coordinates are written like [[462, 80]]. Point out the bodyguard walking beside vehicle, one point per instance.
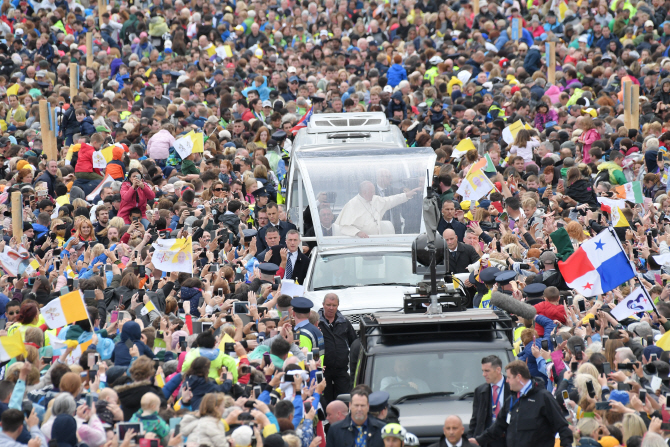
[[338, 335]]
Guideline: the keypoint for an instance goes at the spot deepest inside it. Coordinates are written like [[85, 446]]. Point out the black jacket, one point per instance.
[[534, 421], [482, 412], [443, 442], [582, 192], [462, 258], [342, 434], [283, 228], [130, 396], [300, 267], [337, 339], [455, 225]]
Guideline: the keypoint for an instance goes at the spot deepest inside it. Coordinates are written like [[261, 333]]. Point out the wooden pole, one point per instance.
[[102, 8], [89, 49], [17, 216], [475, 7], [551, 63], [635, 106], [44, 126], [74, 80], [627, 119]]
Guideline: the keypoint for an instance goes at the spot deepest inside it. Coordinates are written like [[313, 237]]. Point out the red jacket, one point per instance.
[[85, 159], [549, 310], [131, 198]]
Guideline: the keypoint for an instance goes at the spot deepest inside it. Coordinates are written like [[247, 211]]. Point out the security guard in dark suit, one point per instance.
[[488, 399]]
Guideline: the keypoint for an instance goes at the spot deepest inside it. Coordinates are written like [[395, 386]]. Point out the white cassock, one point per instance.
[[360, 215]]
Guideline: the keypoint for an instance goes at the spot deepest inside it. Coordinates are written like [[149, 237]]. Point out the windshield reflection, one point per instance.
[[456, 372], [367, 196], [354, 270]]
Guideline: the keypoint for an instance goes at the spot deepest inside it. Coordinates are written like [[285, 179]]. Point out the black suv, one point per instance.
[[431, 364]]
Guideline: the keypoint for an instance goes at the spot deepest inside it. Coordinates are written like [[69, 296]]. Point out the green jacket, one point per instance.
[[616, 172], [218, 360], [188, 167]]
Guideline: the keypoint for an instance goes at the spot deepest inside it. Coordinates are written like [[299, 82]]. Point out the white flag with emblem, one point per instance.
[[637, 301]]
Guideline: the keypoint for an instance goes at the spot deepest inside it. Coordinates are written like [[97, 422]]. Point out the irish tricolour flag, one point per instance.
[[631, 191], [598, 266]]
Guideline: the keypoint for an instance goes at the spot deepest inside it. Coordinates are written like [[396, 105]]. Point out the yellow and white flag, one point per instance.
[[73, 358], [11, 346], [65, 310], [148, 308], [476, 184], [198, 139], [618, 219], [173, 255], [462, 147]]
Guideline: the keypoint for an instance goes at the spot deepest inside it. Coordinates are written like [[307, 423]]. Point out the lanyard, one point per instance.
[[513, 402], [501, 393]]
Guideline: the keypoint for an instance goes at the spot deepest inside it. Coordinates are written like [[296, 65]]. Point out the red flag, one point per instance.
[[189, 324]]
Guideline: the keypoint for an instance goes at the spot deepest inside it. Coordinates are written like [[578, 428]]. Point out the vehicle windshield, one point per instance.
[[458, 372], [366, 195], [358, 269]]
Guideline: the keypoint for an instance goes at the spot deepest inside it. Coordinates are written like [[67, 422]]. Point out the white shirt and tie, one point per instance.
[[291, 259]]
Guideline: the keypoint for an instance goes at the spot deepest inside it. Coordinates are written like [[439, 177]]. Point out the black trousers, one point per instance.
[[338, 382]]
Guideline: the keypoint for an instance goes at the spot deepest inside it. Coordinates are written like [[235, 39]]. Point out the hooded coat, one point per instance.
[[395, 74], [392, 106], [661, 97], [192, 295], [116, 168], [64, 431], [121, 355]]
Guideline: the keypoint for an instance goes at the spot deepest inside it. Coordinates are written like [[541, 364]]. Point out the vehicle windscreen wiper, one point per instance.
[[341, 286], [390, 284], [422, 396]]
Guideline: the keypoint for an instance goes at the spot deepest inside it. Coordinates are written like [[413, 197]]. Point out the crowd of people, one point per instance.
[[215, 354]]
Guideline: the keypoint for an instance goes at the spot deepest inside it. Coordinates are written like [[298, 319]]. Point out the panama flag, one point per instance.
[[303, 121], [598, 266]]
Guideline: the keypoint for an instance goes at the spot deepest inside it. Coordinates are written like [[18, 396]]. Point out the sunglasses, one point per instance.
[[218, 189], [12, 313]]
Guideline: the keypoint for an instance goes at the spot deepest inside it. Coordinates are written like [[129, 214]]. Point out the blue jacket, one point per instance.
[[121, 355], [395, 74], [263, 90], [604, 43], [392, 106], [527, 354], [532, 62], [87, 126]]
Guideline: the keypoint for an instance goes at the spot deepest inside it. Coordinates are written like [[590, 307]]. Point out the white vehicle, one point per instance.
[[371, 273], [335, 132], [365, 278]]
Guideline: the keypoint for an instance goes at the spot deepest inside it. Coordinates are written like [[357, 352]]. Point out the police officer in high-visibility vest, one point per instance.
[[309, 336], [488, 278]]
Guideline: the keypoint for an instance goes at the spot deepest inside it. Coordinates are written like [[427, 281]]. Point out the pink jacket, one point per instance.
[[158, 147], [130, 198], [588, 138]]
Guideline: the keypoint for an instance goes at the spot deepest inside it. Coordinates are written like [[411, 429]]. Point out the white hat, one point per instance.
[[388, 89], [584, 39], [251, 14], [291, 70], [648, 23], [436, 60], [225, 134]]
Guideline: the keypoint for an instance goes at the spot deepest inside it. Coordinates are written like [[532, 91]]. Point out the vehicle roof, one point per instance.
[[338, 147], [430, 345], [371, 149], [367, 249], [336, 122]]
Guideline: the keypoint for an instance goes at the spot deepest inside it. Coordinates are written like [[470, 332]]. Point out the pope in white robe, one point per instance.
[[362, 215]]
